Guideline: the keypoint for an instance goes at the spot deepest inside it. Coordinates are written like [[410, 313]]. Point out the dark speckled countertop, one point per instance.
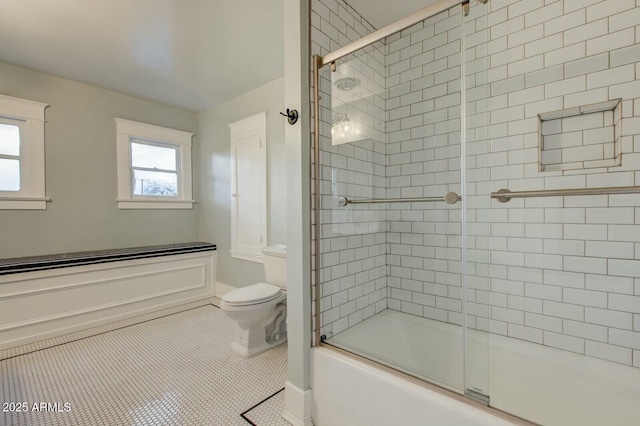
[[65, 260]]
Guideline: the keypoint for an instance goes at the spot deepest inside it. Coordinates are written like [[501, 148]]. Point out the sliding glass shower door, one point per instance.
[[391, 217], [551, 275], [476, 230], [353, 262]]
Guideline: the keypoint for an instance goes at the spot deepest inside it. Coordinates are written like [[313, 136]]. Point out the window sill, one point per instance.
[[24, 203], [127, 204]]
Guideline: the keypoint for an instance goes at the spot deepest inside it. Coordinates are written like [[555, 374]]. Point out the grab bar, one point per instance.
[[504, 195], [449, 198]]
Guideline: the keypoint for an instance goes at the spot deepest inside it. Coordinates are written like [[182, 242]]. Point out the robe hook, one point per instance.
[[292, 116]]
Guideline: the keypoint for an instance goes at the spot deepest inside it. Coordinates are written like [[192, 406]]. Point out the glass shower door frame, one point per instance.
[[475, 391]]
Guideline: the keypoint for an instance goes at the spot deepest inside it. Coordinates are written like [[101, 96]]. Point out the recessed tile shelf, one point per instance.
[[583, 137]]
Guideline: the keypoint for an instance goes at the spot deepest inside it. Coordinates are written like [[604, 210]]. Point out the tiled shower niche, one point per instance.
[[583, 137]]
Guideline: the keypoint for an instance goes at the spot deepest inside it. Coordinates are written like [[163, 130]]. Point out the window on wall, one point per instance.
[[22, 175], [10, 131], [154, 166], [155, 169]]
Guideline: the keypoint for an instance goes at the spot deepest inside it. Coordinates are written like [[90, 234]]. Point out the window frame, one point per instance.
[[128, 132], [30, 117]]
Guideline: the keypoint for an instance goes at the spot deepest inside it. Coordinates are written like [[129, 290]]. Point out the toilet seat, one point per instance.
[[252, 295]]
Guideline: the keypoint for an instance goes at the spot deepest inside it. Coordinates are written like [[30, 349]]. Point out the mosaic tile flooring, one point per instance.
[[173, 370], [94, 331]]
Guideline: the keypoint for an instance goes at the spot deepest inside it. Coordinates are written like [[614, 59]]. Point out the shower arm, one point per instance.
[[449, 198]]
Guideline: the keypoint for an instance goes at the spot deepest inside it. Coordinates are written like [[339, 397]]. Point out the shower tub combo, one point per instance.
[[476, 220]]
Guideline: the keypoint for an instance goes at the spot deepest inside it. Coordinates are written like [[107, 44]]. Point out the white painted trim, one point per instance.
[[32, 176], [93, 282], [21, 109], [298, 186], [126, 130], [253, 126], [297, 405], [45, 199], [100, 307], [152, 204], [152, 132], [20, 204], [155, 201]]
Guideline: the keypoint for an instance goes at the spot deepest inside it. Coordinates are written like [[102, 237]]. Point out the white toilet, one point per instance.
[[260, 310]]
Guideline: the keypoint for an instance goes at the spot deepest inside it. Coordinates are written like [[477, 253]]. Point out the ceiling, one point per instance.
[[192, 54]]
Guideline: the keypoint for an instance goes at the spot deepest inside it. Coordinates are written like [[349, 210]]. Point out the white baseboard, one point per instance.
[[297, 405]]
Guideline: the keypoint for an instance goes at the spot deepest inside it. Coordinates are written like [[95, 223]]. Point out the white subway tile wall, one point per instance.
[[569, 265], [423, 146], [561, 271], [352, 164], [574, 139]]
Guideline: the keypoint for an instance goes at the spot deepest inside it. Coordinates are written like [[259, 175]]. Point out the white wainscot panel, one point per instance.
[[43, 304]]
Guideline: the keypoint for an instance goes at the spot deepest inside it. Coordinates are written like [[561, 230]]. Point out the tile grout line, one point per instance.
[[257, 405]]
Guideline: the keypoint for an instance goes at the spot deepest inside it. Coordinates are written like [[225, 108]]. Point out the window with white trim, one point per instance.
[[154, 166], [22, 175]]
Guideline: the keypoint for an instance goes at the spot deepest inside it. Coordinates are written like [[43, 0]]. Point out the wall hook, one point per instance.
[[292, 116]]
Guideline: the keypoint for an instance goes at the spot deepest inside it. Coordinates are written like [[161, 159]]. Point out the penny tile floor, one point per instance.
[[177, 369]]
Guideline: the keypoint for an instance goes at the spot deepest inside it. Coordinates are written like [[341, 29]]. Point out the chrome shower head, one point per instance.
[[346, 83]]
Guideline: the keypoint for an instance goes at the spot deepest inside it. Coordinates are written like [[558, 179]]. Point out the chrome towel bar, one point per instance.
[[504, 195], [449, 198]]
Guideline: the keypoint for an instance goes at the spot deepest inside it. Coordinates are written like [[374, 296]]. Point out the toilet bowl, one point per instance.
[[260, 310]]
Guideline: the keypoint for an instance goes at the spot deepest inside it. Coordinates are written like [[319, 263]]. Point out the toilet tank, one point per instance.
[[275, 265]]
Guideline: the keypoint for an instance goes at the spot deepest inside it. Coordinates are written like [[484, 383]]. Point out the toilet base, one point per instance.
[[257, 327], [245, 352]]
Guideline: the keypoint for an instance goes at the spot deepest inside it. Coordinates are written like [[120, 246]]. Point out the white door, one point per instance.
[[249, 188]]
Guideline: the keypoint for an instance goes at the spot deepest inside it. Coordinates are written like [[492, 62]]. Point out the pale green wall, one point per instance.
[[81, 179], [215, 177]]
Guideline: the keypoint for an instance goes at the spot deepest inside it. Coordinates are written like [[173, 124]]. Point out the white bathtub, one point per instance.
[[346, 391], [545, 385]]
